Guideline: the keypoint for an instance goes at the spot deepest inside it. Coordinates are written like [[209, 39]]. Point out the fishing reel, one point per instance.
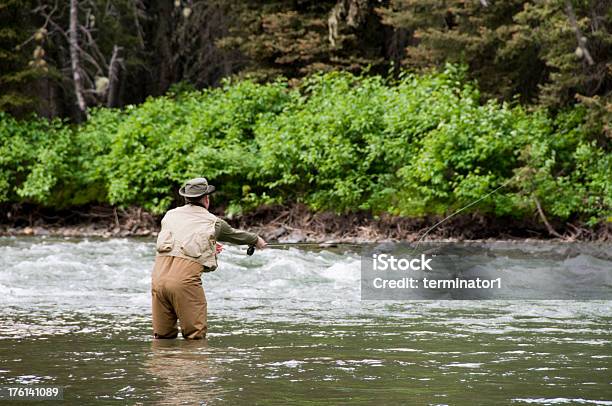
[[250, 250]]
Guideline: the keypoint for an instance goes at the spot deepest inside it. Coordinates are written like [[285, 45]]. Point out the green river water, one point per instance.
[[288, 326]]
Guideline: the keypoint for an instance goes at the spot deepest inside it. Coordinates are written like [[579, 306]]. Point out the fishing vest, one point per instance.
[[189, 232]]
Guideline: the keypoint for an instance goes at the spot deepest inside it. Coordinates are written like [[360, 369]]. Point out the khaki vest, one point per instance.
[[189, 232]]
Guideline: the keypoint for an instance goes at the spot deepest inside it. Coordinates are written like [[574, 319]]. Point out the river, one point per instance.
[[289, 325]]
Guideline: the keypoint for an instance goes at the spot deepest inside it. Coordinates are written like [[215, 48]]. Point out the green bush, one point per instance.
[[36, 158], [89, 181], [167, 140], [319, 148], [418, 145]]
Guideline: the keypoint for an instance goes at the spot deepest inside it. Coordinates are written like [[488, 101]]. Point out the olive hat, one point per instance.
[[196, 187]]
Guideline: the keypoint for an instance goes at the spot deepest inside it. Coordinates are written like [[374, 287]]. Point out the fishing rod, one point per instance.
[[251, 248]]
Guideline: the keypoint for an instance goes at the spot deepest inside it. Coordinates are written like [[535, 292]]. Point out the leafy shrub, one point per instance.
[[418, 145], [35, 159], [318, 149], [165, 141], [89, 181]]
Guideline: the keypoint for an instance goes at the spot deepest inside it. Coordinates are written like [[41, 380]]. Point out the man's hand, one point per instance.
[[218, 248], [261, 243]]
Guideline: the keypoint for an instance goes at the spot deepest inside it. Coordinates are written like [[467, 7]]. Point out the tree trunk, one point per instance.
[[74, 56], [549, 227], [113, 77], [579, 37]]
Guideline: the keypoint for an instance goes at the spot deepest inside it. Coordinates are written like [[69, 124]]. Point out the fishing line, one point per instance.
[[251, 249], [460, 210]]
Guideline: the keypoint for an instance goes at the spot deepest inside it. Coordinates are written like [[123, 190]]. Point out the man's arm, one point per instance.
[[224, 232]]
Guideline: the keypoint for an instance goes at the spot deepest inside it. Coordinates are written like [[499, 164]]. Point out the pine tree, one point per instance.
[[514, 47], [22, 59], [574, 40], [471, 32], [300, 37]]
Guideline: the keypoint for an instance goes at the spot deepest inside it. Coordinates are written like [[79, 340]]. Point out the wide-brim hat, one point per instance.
[[196, 187]]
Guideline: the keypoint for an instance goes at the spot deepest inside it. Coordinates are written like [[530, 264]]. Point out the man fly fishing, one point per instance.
[[187, 246]]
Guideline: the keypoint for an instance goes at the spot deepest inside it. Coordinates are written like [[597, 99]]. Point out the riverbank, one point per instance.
[[297, 223]]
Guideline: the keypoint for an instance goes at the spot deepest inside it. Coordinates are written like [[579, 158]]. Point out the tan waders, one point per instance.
[[177, 293]]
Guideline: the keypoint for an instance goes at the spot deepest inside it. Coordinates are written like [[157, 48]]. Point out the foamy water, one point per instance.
[[289, 324]]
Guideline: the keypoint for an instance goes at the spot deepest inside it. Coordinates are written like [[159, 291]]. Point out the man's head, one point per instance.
[[197, 191], [202, 200]]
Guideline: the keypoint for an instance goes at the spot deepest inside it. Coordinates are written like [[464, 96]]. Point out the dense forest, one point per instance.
[[407, 107], [61, 58]]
